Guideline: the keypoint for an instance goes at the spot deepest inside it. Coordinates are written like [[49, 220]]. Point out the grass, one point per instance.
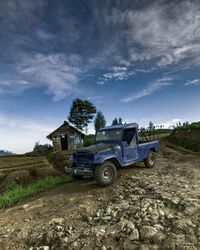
[[17, 193]]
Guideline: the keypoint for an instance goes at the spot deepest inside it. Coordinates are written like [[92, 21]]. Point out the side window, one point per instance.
[[130, 136]]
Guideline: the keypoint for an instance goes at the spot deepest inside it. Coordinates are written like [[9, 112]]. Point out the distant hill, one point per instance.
[[5, 153]]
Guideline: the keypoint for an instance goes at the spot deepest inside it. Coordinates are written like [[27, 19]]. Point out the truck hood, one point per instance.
[[98, 148]]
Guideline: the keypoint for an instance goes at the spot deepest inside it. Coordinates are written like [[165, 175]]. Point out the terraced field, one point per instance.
[[23, 170], [10, 164]]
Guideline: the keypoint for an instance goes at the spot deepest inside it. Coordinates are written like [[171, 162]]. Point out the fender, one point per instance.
[[102, 159]]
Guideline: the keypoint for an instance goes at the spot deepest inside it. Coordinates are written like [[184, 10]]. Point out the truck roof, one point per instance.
[[121, 126]]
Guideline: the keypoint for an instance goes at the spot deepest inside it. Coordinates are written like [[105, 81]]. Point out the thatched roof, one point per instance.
[[65, 128]]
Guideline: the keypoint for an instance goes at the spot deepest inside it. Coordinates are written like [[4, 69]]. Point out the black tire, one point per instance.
[[105, 174], [78, 177], [150, 160]]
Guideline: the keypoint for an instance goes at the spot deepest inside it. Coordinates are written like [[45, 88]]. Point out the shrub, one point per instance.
[[40, 149], [88, 140]]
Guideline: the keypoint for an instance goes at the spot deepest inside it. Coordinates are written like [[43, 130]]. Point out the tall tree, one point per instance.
[[115, 122], [120, 121], [81, 113], [100, 121], [151, 125]]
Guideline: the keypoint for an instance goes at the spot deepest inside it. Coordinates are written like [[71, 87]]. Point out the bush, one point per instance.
[[186, 138], [195, 125], [40, 149], [59, 160], [88, 140]]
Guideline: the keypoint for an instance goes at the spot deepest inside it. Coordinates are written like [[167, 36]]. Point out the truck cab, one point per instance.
[[115, 146]]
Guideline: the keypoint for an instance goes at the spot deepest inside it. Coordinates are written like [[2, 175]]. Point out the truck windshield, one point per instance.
[[109, 135]]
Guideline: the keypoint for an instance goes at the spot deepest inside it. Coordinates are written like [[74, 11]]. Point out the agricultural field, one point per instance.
[[9, 164], [24, 170]]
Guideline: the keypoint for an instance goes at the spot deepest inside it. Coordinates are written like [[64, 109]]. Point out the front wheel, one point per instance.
[[105, 174], [150, 160]]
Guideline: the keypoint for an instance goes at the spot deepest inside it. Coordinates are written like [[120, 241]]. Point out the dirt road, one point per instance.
[[155, 208]]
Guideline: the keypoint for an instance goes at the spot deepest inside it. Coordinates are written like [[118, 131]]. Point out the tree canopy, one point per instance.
[[151, 125], [81, 113], [117, 121], [99, 121]]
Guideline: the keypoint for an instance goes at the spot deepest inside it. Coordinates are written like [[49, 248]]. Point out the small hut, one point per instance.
[[66, 137]]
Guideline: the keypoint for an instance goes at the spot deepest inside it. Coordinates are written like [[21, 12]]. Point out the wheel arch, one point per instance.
[[152, 149], [114, 161]]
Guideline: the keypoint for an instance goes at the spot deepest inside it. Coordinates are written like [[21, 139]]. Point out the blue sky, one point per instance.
[[138, 60]]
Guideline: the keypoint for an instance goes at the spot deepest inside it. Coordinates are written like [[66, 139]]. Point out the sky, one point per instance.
[[139, 60]]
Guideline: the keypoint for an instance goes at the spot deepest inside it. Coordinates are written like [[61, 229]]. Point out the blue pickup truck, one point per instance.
[[115, 146]]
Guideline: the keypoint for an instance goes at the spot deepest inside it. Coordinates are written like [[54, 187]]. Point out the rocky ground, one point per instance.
[[155, 208]]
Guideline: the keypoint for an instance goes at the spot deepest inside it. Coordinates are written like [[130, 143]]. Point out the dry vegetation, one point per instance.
[[23, 170]]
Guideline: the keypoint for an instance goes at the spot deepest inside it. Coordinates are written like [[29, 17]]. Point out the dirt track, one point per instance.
[[146, 209]]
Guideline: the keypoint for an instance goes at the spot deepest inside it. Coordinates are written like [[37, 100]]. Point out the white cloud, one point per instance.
[[116, 73], [59, 73], [20, 135], [124, 62], [35, 126], [167, 33], [44, 35], [145, 70], [150, 89], [194, 82], [169, 123]]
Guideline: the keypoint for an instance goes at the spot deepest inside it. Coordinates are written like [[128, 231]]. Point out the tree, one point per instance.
[[151, 125], [88, 140], [99, 121], [117, 122], [120, 121], [81, 113]]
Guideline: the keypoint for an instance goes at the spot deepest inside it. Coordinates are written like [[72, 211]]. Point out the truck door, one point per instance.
[[130, 145]]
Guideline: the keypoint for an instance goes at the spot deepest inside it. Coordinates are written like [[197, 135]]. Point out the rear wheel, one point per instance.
[[105, 174], [150, 160]]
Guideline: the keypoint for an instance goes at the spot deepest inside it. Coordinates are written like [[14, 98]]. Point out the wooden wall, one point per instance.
[[74, 141]]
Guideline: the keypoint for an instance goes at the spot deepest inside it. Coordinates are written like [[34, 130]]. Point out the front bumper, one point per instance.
[[79, 171]]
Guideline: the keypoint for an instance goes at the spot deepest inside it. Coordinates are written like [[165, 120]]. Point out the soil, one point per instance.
[[155, 208]]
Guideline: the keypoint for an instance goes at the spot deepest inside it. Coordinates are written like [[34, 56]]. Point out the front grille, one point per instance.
[[82, 156], [84, 159]]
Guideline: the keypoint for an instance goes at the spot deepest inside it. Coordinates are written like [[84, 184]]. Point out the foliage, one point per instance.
[[187, 125], [151, 125], [16, 193], [88, 140], [81, 113], [40, 149], [99, 121], [60, 160], [195, 125], [188, 138], [117, 121]]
